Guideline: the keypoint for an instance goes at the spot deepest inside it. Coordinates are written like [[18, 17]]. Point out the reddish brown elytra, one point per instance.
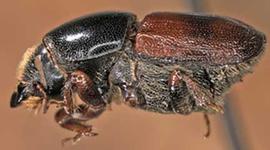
[[197, 38]]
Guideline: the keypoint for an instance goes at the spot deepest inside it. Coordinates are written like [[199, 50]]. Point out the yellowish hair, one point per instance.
[[25, 59], [32, 102]]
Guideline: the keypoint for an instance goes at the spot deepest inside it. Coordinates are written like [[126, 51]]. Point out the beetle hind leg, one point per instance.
[[208, 125], [182, 101], [187, 95], [76, 121], [203, 98]]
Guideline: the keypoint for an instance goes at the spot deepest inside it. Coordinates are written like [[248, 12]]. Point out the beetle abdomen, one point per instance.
[[90, 36], [174, 37]]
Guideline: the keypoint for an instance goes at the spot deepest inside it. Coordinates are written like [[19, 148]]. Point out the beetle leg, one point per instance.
[[68, 100], [130, 95], [182, 101], [38, 102], [124, 75], [79, 82], [208, 125], [69, 89], [44, 104], [202, 97], [76, 121]]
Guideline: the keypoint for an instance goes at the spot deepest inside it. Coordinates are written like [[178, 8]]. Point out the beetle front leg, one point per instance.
[[45, 100], [38, 102], [76, 121], [80, 83], [68, 98]]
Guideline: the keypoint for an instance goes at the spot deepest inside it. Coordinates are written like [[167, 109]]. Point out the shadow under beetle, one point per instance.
[[168, 63]]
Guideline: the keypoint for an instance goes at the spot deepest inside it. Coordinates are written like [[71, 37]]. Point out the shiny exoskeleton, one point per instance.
[[167, 63]]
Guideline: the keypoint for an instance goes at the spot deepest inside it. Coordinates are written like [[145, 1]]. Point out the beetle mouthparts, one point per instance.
[[16, 99], [18, 96]]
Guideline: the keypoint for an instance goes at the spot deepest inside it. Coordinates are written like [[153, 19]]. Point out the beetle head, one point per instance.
[[29, 88]]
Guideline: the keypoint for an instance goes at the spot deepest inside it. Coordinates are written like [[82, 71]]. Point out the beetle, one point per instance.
[[169, 63]]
